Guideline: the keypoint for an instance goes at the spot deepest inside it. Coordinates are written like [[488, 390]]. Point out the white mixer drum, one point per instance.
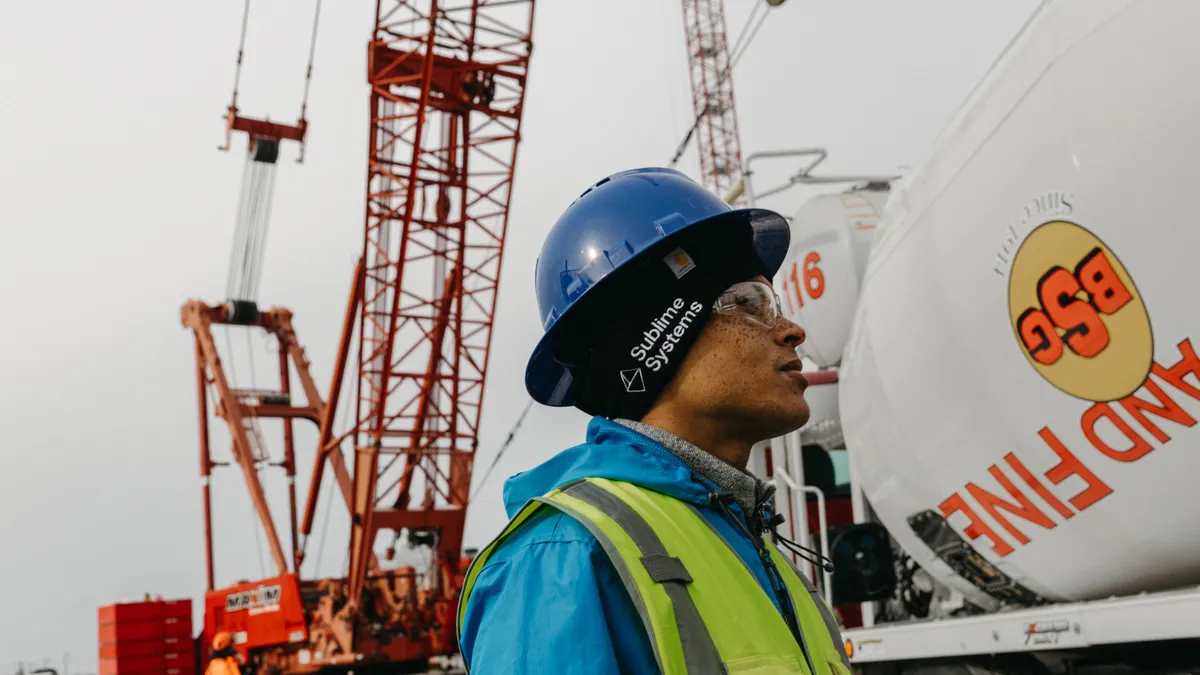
[[1020, 389], [819, 279]]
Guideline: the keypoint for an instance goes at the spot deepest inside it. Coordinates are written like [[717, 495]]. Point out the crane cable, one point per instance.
[[253, 221], [258, 181], [733, 61], [333, 487], [248, 429], [333, 484], [254, 209], [237, 73], [738, 44], [736, 56], [508, 441], [312, 49]]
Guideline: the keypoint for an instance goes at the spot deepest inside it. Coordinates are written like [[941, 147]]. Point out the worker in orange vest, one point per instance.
[[224, 657]]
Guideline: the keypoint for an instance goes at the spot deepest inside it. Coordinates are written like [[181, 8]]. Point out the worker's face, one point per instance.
[[745, 373]]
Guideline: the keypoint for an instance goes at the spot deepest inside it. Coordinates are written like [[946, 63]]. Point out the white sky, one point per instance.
[[116, 208]]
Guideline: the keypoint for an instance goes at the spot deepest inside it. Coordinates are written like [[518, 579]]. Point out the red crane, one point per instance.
[[447, 82], [716, 125]]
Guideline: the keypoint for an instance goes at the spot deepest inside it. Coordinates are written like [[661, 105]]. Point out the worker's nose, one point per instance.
[[789, 333]]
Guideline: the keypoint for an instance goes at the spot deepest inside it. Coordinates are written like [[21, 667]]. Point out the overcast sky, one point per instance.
[[116, 208]]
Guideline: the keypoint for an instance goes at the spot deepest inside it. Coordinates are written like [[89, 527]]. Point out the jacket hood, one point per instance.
[[614, 452]]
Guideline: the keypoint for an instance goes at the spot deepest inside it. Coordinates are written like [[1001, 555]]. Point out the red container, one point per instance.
[[133, 631], [147, 638], [179, 660], [137, 631], [177, 628], [131, 611], [144, 611], [177, 609], [131, 666], [179, 645], [130, 650], [157, 647], [150, 620]]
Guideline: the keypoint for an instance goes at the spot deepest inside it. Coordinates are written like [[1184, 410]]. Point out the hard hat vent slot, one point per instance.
[[670, 223], [604, 263]]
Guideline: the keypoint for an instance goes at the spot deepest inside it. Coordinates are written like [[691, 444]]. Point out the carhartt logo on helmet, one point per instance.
[[680, 262]]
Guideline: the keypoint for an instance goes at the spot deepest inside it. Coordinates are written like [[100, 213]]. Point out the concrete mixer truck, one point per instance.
[[1003, 467]]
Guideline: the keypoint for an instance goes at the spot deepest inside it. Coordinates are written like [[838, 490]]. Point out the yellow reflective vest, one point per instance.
[[702, 608]]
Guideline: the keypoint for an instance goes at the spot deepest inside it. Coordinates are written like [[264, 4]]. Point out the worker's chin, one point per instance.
[[784, 419], [802, 414], [799, 416]]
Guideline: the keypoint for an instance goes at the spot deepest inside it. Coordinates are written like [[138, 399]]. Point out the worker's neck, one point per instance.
[[711, 436]]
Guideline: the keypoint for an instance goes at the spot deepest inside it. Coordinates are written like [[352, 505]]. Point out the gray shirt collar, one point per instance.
[[748, 491]]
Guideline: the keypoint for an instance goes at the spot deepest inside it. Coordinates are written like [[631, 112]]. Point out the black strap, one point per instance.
[[664, 568]]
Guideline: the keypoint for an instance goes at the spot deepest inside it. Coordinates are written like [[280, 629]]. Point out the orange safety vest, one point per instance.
[[226, 665]]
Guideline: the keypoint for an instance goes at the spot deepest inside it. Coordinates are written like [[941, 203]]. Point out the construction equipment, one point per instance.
[[272, 132], [710, 67], [712, 94], [447, 80], [1015, 423]]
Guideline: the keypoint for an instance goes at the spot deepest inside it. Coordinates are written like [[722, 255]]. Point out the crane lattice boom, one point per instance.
[[447, 87], [712, 94]]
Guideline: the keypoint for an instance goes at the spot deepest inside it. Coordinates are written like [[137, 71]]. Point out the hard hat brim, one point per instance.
[[550, 383]]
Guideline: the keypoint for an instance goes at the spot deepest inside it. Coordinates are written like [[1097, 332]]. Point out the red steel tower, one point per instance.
[[447, 86], [712, 94], [447, 90]]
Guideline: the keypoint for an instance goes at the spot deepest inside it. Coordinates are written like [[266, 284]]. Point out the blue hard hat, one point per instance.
[[610, 224]]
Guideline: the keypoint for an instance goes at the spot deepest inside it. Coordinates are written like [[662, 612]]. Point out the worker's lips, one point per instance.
[[793, 369]]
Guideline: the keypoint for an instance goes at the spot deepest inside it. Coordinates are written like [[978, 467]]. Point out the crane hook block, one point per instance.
[[242, 312], [266, 150]]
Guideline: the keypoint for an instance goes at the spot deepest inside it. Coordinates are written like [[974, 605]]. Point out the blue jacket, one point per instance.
[[549, 599]]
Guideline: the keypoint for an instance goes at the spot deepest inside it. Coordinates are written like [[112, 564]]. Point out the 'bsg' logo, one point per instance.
[[1078, 315]]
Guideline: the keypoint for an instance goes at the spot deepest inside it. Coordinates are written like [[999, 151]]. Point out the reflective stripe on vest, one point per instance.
[[702, 608]]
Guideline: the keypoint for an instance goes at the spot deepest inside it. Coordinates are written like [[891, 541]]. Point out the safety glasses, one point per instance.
[[754, 299]]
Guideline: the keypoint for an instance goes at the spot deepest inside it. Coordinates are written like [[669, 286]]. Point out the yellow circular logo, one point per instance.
[[1077, 314]]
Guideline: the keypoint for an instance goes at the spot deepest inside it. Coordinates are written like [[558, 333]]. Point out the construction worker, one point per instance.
[[648, 548], [224, 656]]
